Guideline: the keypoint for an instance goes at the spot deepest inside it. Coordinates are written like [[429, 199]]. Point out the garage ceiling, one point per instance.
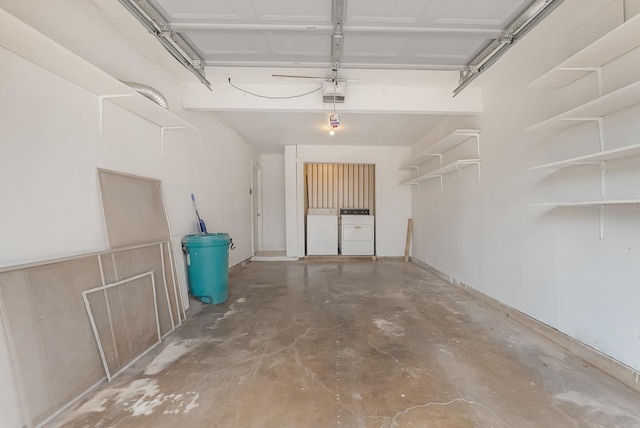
[[382, 34], [268, 131], [335, 39]]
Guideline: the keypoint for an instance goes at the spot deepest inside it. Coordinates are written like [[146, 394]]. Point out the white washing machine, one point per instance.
[[357, 234], [322, 233]]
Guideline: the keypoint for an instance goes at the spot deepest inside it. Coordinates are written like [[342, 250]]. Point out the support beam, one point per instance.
[[337, 38], [362, 99]]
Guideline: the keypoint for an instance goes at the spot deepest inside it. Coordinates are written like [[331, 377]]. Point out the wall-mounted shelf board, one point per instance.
[[627, 151], [144, 107], [459, 164], [452, 140], [601, 106], [590, 204], [32, 45], [615, 43], [587, 203]]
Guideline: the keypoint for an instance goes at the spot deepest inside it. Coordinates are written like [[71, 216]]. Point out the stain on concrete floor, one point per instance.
[[354, 344]]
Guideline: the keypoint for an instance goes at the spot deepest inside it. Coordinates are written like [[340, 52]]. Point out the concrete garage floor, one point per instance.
[[355, 344]]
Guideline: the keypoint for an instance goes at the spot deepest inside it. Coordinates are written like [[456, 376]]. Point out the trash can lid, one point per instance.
[[207, 240]]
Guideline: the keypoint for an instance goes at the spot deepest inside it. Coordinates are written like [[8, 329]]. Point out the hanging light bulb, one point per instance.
[[334, 121]]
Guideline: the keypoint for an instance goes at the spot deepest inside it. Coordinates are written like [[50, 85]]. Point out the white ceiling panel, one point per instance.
[[470, 13], [293, 10], [304, 45], [384, 12], [259, 48], [229, 43], [219, 10], [399, 34], [372, 46], [462, 48], [413, 51]]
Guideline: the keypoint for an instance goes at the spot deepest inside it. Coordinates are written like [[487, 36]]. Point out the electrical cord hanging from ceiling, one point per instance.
[[272, 98]]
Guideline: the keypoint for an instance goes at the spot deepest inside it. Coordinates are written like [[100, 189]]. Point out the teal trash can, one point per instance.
[[208, 266]]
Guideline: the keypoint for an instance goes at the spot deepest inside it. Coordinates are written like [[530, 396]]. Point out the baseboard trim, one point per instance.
[[614, 368], [273, 259], [339, 258], [240, 264]]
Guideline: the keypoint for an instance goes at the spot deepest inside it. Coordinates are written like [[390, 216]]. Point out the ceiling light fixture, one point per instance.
[[334, 119], [334, 122]]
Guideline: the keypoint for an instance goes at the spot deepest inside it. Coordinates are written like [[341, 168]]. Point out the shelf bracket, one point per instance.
[[441, 182], [603, 173], [597, 70], [101, 99], [166, 128], [601, 213], [598, 119], [603, 177]]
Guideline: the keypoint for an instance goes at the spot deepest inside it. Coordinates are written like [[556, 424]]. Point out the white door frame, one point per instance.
[[256, 207]]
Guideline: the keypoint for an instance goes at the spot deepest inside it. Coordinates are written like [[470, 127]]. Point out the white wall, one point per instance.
[[51, 148], [393, 202], [549, 264]]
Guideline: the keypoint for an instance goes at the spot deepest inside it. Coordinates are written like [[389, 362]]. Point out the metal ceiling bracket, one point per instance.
[[522, 25], [337, 38], [337, 45], [337, 11]]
